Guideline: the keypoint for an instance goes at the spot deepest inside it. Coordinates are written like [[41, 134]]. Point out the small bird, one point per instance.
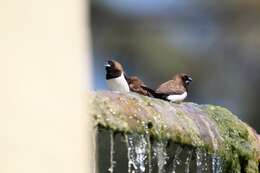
[[118, 81], [174, 90], [137, 85]]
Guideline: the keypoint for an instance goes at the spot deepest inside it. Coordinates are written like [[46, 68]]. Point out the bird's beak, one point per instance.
[[107, 65], [189, 79]]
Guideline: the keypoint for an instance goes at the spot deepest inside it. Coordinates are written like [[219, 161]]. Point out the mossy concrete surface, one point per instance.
[[212, 128]]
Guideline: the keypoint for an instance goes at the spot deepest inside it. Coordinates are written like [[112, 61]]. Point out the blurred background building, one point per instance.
[[217, 42]]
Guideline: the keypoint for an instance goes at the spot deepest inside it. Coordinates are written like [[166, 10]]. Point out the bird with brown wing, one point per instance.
[[174, 90]]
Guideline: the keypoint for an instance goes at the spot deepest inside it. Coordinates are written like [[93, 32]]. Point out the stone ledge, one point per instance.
[[212, 128]]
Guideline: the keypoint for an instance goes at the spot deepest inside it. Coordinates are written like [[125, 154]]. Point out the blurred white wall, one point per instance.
[[44, 74]]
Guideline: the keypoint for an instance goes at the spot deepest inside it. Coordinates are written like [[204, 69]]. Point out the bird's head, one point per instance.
[[186, 79], [113, 68], [183, 79]]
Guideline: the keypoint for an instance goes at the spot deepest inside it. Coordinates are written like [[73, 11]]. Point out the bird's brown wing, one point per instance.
[[171, 87], [137, 85]]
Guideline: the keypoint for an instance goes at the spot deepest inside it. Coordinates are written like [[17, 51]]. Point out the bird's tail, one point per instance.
[[154, 93]]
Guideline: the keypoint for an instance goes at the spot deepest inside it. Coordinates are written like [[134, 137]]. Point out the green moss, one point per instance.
[[192, 137], [252, 166], [236, 148]]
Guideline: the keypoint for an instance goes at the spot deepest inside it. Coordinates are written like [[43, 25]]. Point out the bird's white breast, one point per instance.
[[177, 98], [118, 84]]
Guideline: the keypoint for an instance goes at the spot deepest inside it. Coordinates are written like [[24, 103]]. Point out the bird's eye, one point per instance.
[[187, 79]]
